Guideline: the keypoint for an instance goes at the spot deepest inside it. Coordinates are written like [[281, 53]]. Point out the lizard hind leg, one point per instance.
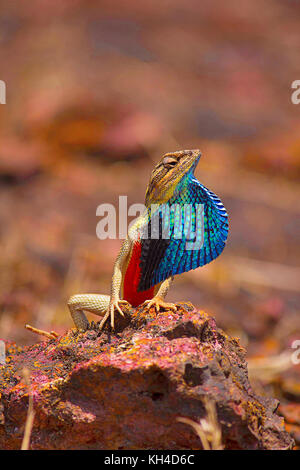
[[158, 301], [94, 303]]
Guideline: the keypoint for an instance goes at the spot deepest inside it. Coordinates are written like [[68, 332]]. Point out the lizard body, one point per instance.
[[148, 260]]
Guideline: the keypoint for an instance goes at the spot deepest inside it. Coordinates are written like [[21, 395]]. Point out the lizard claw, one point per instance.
[[114, 305], [159, 304]]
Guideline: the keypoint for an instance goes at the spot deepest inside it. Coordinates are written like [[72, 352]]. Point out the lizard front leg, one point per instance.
[[102, 305], [158, 300], [115, 301]]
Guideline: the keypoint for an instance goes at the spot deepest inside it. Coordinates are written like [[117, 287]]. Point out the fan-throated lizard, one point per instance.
[[148, 259]]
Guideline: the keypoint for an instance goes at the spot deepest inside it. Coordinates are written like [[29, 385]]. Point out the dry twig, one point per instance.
[[30, 412]]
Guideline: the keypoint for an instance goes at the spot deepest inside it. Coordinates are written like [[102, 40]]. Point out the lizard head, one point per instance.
[[167, 175]]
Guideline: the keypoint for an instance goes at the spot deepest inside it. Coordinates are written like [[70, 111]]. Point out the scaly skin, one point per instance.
[[139, 263]]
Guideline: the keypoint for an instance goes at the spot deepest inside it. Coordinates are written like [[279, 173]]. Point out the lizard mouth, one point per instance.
[[195, 157], [187, 161]]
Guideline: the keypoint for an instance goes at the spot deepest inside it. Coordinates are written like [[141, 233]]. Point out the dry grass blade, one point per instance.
[[30, 413], [208, 429], [268, 368], [51, 335], [239, 271]]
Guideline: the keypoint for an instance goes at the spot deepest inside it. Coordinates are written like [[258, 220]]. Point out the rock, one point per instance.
[[291, 414], [97, 390]]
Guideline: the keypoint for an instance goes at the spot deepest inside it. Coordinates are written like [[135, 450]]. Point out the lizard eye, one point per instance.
[[170, 161]]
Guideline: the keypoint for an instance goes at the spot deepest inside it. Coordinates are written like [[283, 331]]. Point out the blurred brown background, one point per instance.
[[96, 92]]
